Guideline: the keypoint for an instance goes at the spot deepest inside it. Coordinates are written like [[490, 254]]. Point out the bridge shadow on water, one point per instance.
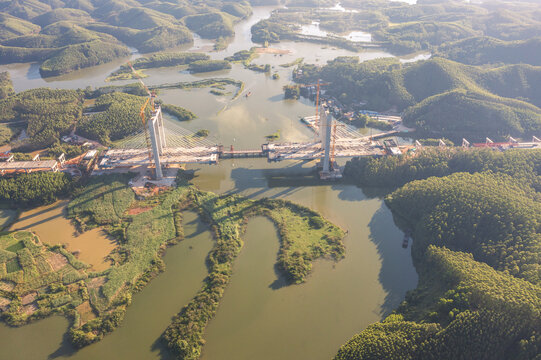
[[257, 182]]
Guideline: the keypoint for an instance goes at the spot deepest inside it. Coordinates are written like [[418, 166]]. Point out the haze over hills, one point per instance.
[[31, 30]]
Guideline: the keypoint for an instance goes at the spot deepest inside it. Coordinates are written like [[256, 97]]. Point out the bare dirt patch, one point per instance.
[[29, 298], [72, 287], [7, 285], [271, 51], [86, 312], [30, 309], [4, 304], [139, 210], [57, 261], [95, 283]]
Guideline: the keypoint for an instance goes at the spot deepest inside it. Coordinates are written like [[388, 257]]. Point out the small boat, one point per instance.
[[405, 241], [248, 93]]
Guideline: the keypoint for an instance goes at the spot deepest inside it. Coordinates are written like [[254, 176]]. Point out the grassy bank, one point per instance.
[[213, 82], [164, 59]]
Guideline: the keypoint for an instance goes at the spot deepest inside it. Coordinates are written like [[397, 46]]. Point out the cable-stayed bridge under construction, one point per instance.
[[165, 144]]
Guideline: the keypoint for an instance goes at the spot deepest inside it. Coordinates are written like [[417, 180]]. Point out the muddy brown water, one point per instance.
[[53, 228], [146, 318]]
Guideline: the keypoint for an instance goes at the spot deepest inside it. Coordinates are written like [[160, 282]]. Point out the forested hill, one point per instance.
[[474, 312], [488, 50], [67, 35], [475, 219], [46, 114], [431, 26], [441, 97]]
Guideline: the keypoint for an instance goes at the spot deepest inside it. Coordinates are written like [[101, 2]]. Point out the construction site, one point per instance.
[[158, 147]]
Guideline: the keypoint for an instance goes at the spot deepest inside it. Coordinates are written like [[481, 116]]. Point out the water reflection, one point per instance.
[[395, 277]]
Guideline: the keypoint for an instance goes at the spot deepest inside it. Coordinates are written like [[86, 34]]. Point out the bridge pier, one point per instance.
[[156, 135], [329, 170]]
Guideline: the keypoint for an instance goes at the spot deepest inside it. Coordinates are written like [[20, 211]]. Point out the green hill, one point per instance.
[[48, 114], [58, 35], [440, 97], [212, 25], [11, 27], [485, 314], [409, 37], [240, 10], [39, 30], [487, 50], [514, 81], [462, 113], [75, 57], [148, 40], [104, 8], [484, 214], [118, 117], [11, 54], [24, 9], [85, 5], [476, 250], [177, 10], [78, 16], [509, 24], [139, 18]]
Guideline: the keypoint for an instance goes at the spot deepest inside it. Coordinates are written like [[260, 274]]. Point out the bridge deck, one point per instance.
[[139, 157], [308, 151]]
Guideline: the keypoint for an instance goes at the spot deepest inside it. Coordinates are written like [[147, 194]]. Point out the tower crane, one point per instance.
[[318, 86]]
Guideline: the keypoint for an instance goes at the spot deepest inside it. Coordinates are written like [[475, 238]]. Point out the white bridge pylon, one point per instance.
[[171, 144], [157, 139], [333, 141]]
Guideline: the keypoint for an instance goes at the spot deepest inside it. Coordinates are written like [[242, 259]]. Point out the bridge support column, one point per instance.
[[329, 171], [162, 129], [326, 131], [154, 129]]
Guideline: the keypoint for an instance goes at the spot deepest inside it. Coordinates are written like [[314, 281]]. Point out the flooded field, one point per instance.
[[52, 227]]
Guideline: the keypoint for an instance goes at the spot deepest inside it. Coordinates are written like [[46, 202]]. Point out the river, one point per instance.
[[259, 316], [146, 318]]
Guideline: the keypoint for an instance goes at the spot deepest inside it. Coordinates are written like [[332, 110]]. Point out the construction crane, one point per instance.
[[318, 86], [151, 96]]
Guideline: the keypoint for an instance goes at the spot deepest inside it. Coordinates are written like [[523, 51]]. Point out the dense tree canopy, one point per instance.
[[395, 171], [117, 117], [34, 189], [476, 223], [47, 113]]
